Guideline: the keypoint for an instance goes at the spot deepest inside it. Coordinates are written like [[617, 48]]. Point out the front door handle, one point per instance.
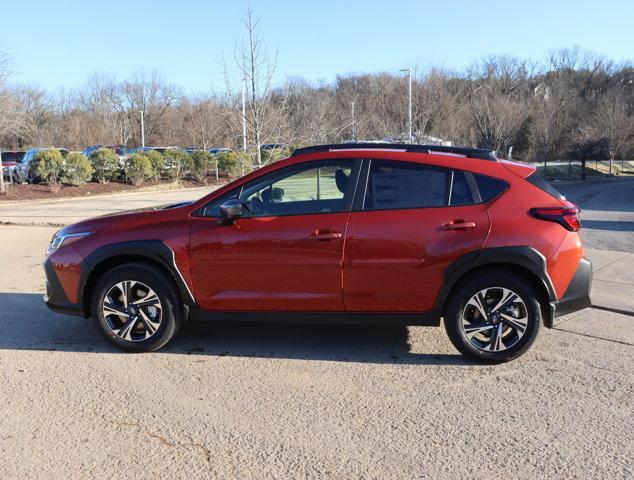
[[324, 235], [459, 225]]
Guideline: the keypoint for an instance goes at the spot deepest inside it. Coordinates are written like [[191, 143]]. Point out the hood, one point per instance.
[[131, 218]]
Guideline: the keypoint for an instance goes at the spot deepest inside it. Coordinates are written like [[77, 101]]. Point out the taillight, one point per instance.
[[567, 217]]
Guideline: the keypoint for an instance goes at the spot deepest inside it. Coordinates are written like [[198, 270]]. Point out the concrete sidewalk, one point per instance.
[[66, 211]]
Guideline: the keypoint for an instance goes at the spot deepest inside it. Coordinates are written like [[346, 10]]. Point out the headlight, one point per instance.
[[60, 239]]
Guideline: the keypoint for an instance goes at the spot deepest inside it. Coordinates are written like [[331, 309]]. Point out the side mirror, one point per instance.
[[230, 210], [277, 194]]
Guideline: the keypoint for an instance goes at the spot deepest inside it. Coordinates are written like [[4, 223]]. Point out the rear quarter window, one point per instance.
[[537, 180], [489, 187]]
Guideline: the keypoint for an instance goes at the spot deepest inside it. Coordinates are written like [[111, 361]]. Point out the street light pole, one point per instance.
[[142, 130], [409, 110], [244, 115], [2, 187], [354, 124]]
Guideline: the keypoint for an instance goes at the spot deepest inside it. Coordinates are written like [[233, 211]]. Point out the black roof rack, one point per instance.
[[480, 153]]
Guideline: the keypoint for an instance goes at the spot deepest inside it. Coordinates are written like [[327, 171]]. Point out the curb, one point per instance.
[[6, 203]]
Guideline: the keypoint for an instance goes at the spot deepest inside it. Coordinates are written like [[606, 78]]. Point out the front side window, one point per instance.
[[317, 187]]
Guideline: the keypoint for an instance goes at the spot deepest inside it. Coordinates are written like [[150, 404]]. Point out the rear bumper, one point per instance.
[[577, 295]]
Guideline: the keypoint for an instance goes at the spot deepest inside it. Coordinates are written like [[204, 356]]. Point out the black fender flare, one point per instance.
[[521, 256], [156, 251]]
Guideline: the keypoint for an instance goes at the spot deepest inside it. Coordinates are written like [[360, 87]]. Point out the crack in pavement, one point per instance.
[[165, 440], [613, 261]]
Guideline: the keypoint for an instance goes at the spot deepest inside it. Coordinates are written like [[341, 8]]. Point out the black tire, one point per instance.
[[489, 279], [162, 286]]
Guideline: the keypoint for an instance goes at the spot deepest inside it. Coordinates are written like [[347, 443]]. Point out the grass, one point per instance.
[[593, 169]]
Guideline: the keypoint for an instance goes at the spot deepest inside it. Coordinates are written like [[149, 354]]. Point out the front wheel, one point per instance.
[[493, 316], [136, 307]]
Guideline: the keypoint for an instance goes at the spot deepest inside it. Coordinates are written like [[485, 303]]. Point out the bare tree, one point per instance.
[[7, 107], [265, 111], [102, 98], [204, 122], [551, 121], [152, 95], [497, 106], [313, 114], [612, 122]]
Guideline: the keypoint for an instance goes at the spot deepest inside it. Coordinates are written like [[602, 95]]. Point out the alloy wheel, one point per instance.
[[494, 319], [132, 310]]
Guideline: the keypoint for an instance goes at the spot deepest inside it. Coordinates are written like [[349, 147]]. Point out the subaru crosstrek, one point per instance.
[[393, 234]]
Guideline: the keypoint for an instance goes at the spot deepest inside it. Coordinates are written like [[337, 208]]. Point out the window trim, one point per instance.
[[359, 205], [237, 191]]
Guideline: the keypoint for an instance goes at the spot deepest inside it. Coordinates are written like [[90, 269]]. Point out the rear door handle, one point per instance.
[[324, 235], [459, 225]]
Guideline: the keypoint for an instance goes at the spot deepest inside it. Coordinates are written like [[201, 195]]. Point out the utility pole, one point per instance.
[[2, 187], [354, 124], [409, 110], [142, 130], [244, 115]]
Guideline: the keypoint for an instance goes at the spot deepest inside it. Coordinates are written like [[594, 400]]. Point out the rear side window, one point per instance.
[[460, 191], [394, 186], [537, 180], [489, 187]]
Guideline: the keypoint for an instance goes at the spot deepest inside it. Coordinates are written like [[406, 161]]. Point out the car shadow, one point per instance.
[[27, 324]]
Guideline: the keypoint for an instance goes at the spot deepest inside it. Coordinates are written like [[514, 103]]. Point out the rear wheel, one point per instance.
[[136, 307], [494, 316]]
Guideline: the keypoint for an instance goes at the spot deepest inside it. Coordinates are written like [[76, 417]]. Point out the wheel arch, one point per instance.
[[525, 262], [154, 253]]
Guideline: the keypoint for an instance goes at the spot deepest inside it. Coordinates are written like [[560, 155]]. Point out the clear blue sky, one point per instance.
[[59, 43]]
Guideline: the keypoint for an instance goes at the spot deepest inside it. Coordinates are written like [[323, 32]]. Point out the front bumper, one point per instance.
[[55, 297], [577, 295]]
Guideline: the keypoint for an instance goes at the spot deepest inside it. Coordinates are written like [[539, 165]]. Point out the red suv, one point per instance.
[[367, 233]]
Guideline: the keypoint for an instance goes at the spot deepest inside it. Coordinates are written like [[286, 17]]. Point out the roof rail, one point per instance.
[[480, 153]]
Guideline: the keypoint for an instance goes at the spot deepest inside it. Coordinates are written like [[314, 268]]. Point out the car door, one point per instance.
[[411, 223], [287, 250]]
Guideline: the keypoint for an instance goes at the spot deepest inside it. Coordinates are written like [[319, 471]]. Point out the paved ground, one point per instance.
[[63, 212], [607, 211], [310, 402]]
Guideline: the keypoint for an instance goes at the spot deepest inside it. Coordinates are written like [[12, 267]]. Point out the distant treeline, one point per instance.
[[571, 105]]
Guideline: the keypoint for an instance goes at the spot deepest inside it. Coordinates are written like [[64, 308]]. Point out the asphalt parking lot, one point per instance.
[[244, 401], [607, 211]]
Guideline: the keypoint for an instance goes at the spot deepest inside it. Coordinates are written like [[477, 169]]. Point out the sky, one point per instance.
[[61, 43]]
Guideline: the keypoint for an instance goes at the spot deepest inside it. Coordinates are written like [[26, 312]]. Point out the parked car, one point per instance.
[[217, 151], [274, 146], [25, 170], [118, 149], [147, 149], [10, 160], [394, 234], [213, 150]]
